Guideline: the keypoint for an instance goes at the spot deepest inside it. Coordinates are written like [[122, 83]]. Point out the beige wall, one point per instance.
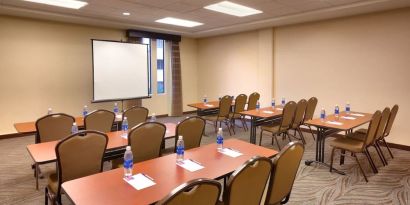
[[363, 59], [189, 69]]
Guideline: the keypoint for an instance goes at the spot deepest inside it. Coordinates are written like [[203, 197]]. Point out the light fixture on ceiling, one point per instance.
[[230, 8], [71, 4], [126, 13], [178, 22]]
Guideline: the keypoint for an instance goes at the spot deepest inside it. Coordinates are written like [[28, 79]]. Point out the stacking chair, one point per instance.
[[53, 127], [78, 155], [298, 119], [357, 146], [310, 111], [239, 107], [197, 191], [145, 140], [223, 114], [284, 170], [247, 183], [191, 129], [99, 120], [253, 99], [135, 115], [284, 125]]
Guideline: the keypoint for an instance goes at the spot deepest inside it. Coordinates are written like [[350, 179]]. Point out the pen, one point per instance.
[[234, 150], [148, 177], [195, 161]]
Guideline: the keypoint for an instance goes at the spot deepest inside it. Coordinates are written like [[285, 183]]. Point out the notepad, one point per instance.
[[140, 181], [348, 118], [190, 165], [279, 108], [357, 114], [124, 135], [334, 123], [230, 152], [208, 105], [267, 112]]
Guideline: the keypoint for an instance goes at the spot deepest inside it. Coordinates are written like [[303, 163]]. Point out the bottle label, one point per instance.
[[205, 100], [116, 109], [219, 139], [85, 113], [128, 164], [322, 115], [180, 150], [337, 111], [348, 108], [124, 127], [257, 106]]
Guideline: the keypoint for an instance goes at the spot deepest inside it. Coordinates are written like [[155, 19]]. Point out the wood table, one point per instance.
[[262, 116], [324, 129], [209, 108], [43, 153], [110, 188]]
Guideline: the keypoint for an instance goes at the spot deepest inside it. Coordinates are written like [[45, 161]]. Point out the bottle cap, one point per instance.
[[85, 106], [180, 137], [50, 108], [74, 123], [115, 104], [220, 129], [125, 118], [153, 114], [128, 148]]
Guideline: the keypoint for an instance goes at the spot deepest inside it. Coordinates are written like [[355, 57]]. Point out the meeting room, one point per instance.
[[204, 102]]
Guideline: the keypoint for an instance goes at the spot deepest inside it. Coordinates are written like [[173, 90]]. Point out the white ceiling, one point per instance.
[[144, 13]]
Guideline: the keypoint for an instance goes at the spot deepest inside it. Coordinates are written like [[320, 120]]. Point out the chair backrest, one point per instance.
[[392, 116], [99, 120], [288, 114], [145, 140], [53, 127], [371, 131], [80, 155], [135, 115], [299, 113], [253, 99], [251, 177], [285, 168], [198, 192], [240, 103], [225, 106], [382, 124], [191, 129], [310, 109]]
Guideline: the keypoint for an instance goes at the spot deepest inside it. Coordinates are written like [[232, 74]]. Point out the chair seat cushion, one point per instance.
[[357, 136], [53, 183], [347, 143], [362, 130], [213, 118], [274, 128]]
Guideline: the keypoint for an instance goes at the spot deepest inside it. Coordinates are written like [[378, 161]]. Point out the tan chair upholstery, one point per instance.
[[223, 114], [348, 143], [78, 155], [310, 111], [53, 127], [285, 168], [191, 129], [135, 116], [240, 103], [284, 125], [253, 99], [99, 120], [298, 119], [247, 184], [198, 192], [145, 140]]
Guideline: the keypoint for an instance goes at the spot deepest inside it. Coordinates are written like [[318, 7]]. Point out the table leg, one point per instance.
[[252, 137], [37, 174]]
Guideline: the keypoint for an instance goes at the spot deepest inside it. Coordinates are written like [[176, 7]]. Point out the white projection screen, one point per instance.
[[120, 70]]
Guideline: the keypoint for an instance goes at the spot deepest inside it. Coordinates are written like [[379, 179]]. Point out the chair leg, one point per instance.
[[287, 133], [260, 138], [216, 126], [301, 135], [311, 132], [388, 148], [367, 153], [360, 166], [331, 159], [342, 156], [233, 130], [46, 196], [380, 153], [277, 142], [229, 129], [243, 124]]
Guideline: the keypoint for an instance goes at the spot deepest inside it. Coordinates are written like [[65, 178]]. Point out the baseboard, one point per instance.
[[14, 135], [189, 112]]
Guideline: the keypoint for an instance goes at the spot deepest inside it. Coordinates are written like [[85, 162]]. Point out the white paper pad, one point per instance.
[[125, 136], [334, 123], [230, 152], [190, 165], [268, 112], [279, 108], [208, 105], [348, 118], [357, 114], [119, 116], [140, 181]]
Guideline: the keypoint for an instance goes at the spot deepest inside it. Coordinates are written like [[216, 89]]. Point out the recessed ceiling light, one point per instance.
[[230, 8], [178, 22], [72, 4], [126, 13]]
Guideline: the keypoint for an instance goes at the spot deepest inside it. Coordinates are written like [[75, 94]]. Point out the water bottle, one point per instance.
[[273, 102], [283, 101], [205, 100], [125, 126], [74, 128], [347, 107], [180, 149], [128, 162], [337, 111], [322, 115], [85, 110], [258, 105], [116, 108], [220, 139], [153, 117], [49, 111]]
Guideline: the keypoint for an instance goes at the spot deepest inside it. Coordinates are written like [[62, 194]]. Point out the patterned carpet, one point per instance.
[[314, 184]]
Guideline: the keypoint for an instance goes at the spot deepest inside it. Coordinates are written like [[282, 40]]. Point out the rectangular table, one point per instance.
[[43, 153], [262, 116], [324, 129], [110, 188], [209, 108]]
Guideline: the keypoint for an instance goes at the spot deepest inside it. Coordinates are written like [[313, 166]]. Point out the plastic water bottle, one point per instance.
[[220, 139], [205, 100], [258, 105], [347, 107], [283, 101], [74, 128], [128, 162], [153, 117], [49, 111], [125, 127], [273, 103], [180, 149], [85, 110], [337, 111], [322, 115], [116, 108]]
